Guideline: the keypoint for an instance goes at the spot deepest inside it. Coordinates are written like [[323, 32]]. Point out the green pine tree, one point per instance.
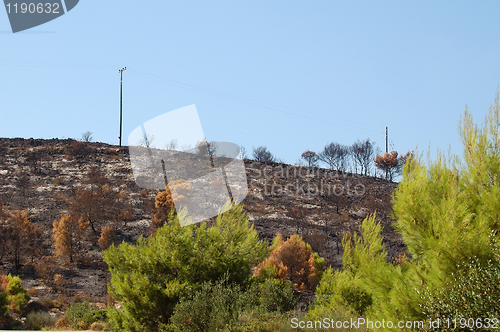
[[446, 212], [149, 279]]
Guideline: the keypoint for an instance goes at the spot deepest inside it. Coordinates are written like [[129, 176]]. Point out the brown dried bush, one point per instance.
[[32, 292], [59, 280], [62, 322], [292, 260], [176, 191], [77, 148], [144, 193], [107, 237]]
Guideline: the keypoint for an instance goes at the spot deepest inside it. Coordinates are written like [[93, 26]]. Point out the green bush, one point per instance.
[[81, 315], [218, 305], [16, 295], [212, 307], [39, 320], [149, 279], [277, 296]]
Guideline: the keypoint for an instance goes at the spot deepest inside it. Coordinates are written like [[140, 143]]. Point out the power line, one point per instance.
[[257, 103], [348, 124]]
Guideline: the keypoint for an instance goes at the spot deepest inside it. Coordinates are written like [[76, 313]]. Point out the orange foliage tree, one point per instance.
[[391, 163], [292, 260], [311, 158], [19, 236], [175, 191], [68, 234]]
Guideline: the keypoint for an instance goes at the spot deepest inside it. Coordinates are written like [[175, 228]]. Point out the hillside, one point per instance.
[[40, 175]]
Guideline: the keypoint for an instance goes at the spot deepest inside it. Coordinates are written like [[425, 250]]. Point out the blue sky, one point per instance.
[[289, 75]]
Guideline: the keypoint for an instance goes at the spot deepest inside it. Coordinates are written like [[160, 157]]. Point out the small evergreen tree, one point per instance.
[[148, 279], [446, 213]]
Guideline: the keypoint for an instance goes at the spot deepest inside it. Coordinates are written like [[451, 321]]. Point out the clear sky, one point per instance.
[[290, 75]]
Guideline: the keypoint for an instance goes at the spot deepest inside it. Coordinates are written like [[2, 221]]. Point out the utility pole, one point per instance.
[[121, 84], [386, 139], [386, 148]]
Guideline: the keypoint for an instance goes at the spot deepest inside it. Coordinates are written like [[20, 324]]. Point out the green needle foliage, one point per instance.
[[446, 212], [149, 279], [474, 292]]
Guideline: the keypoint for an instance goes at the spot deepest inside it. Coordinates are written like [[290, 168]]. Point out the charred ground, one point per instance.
[[39, 175]]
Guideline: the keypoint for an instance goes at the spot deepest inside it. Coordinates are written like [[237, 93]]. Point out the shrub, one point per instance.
[[218, 305], [212, 307], [62, 322], [16, 295], [99, 326], [32, 292], [292, 260], [59, 280], [175, 191], [107, 237], [149, 279], [39, 320], [277, 295], [81, 315]]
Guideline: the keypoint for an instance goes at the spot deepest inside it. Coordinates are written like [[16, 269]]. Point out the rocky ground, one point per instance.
[[321, 205]]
